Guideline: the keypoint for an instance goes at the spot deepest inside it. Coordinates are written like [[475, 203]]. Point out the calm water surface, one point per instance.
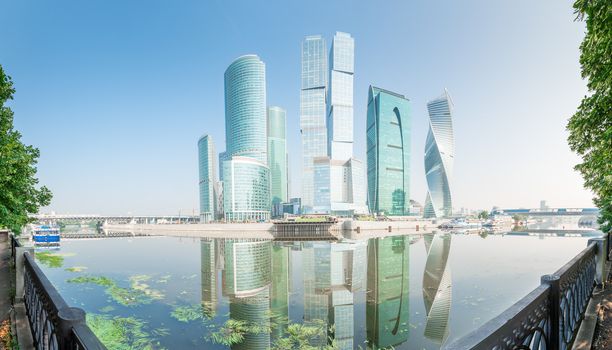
[[407, 292]]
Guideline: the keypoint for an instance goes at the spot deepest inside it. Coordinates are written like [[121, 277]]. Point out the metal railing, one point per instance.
[[54, 324], [549, 317]]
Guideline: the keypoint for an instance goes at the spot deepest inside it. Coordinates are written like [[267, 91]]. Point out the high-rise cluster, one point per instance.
[[333, 181], [253, 169]]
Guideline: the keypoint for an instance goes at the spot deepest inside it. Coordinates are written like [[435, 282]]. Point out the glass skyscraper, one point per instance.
[[207, 178], [277, 155], [246, 176], [388, 152], [246, 189], [439, 157], [340, 111], [312, 113]]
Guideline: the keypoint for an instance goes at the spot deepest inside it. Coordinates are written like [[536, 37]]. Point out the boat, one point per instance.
[[46, 235]]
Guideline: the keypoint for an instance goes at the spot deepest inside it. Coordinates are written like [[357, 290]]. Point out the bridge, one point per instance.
[[549, 212], [132, 219]]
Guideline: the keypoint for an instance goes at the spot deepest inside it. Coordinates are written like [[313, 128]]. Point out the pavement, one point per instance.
[[603, 332], [5, 281]]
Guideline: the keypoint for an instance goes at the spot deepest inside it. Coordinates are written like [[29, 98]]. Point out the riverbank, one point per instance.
[[352, 229]]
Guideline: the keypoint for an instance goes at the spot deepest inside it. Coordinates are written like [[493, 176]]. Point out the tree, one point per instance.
[[590, 128], [19, 195], [483, 215]]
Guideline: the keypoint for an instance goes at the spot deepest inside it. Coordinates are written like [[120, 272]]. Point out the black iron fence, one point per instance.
[[54, 324], [549, 316]]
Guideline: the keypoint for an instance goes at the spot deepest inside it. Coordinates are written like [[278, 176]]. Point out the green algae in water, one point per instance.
[[52, 260], [121, 333], [232, 332], [138, 293], [187, 313], [76, 269]]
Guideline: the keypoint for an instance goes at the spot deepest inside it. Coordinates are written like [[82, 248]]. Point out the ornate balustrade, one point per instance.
[[549, 317], [54, 324]]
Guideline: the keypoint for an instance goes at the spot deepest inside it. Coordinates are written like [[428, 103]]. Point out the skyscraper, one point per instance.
[[208, 178], [340, 111], [327, 129], [388, 152], [439, 157], [312, 113], [277, 155], [246, 187]]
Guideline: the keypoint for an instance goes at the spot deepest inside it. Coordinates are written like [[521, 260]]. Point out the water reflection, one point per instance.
[[437, 288], [255, 294], [387, 311]]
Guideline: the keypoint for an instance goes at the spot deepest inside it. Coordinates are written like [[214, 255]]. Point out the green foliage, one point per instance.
[[590, 128], [483, 215], [19, 195]]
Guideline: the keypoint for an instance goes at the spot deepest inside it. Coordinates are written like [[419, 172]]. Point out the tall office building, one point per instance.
[[327, 129], [437, 287], [387, 300], [312, 113], [388, 152], [439, 157], [246, 187], [277, 155], [340, 109], [208, 178]]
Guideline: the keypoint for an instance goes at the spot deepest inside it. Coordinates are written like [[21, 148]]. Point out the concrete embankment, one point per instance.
[[352, 229], [218, 230], [355, 229]]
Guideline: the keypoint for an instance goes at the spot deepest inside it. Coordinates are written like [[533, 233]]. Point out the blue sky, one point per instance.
[[115, 94]]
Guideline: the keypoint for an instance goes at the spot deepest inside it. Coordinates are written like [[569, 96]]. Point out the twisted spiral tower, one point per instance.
[[439, 156]]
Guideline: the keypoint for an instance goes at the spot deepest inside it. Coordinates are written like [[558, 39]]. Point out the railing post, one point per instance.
[[600, 259], [20, 271], [554, 306], [68, 318]]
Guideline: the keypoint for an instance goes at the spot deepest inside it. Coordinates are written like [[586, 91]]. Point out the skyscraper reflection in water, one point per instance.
[[437, 288], [246, 280], [387, 303]]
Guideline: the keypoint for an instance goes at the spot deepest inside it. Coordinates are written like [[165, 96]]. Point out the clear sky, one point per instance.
[[116, 94]]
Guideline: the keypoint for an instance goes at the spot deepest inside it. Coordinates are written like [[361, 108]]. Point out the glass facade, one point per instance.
[[277, 155], [207, 178], [387, 300], [340, 111], [246, 190], [312, 112], [246, 176], [439, 158], [245, 108], [388, 152]]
